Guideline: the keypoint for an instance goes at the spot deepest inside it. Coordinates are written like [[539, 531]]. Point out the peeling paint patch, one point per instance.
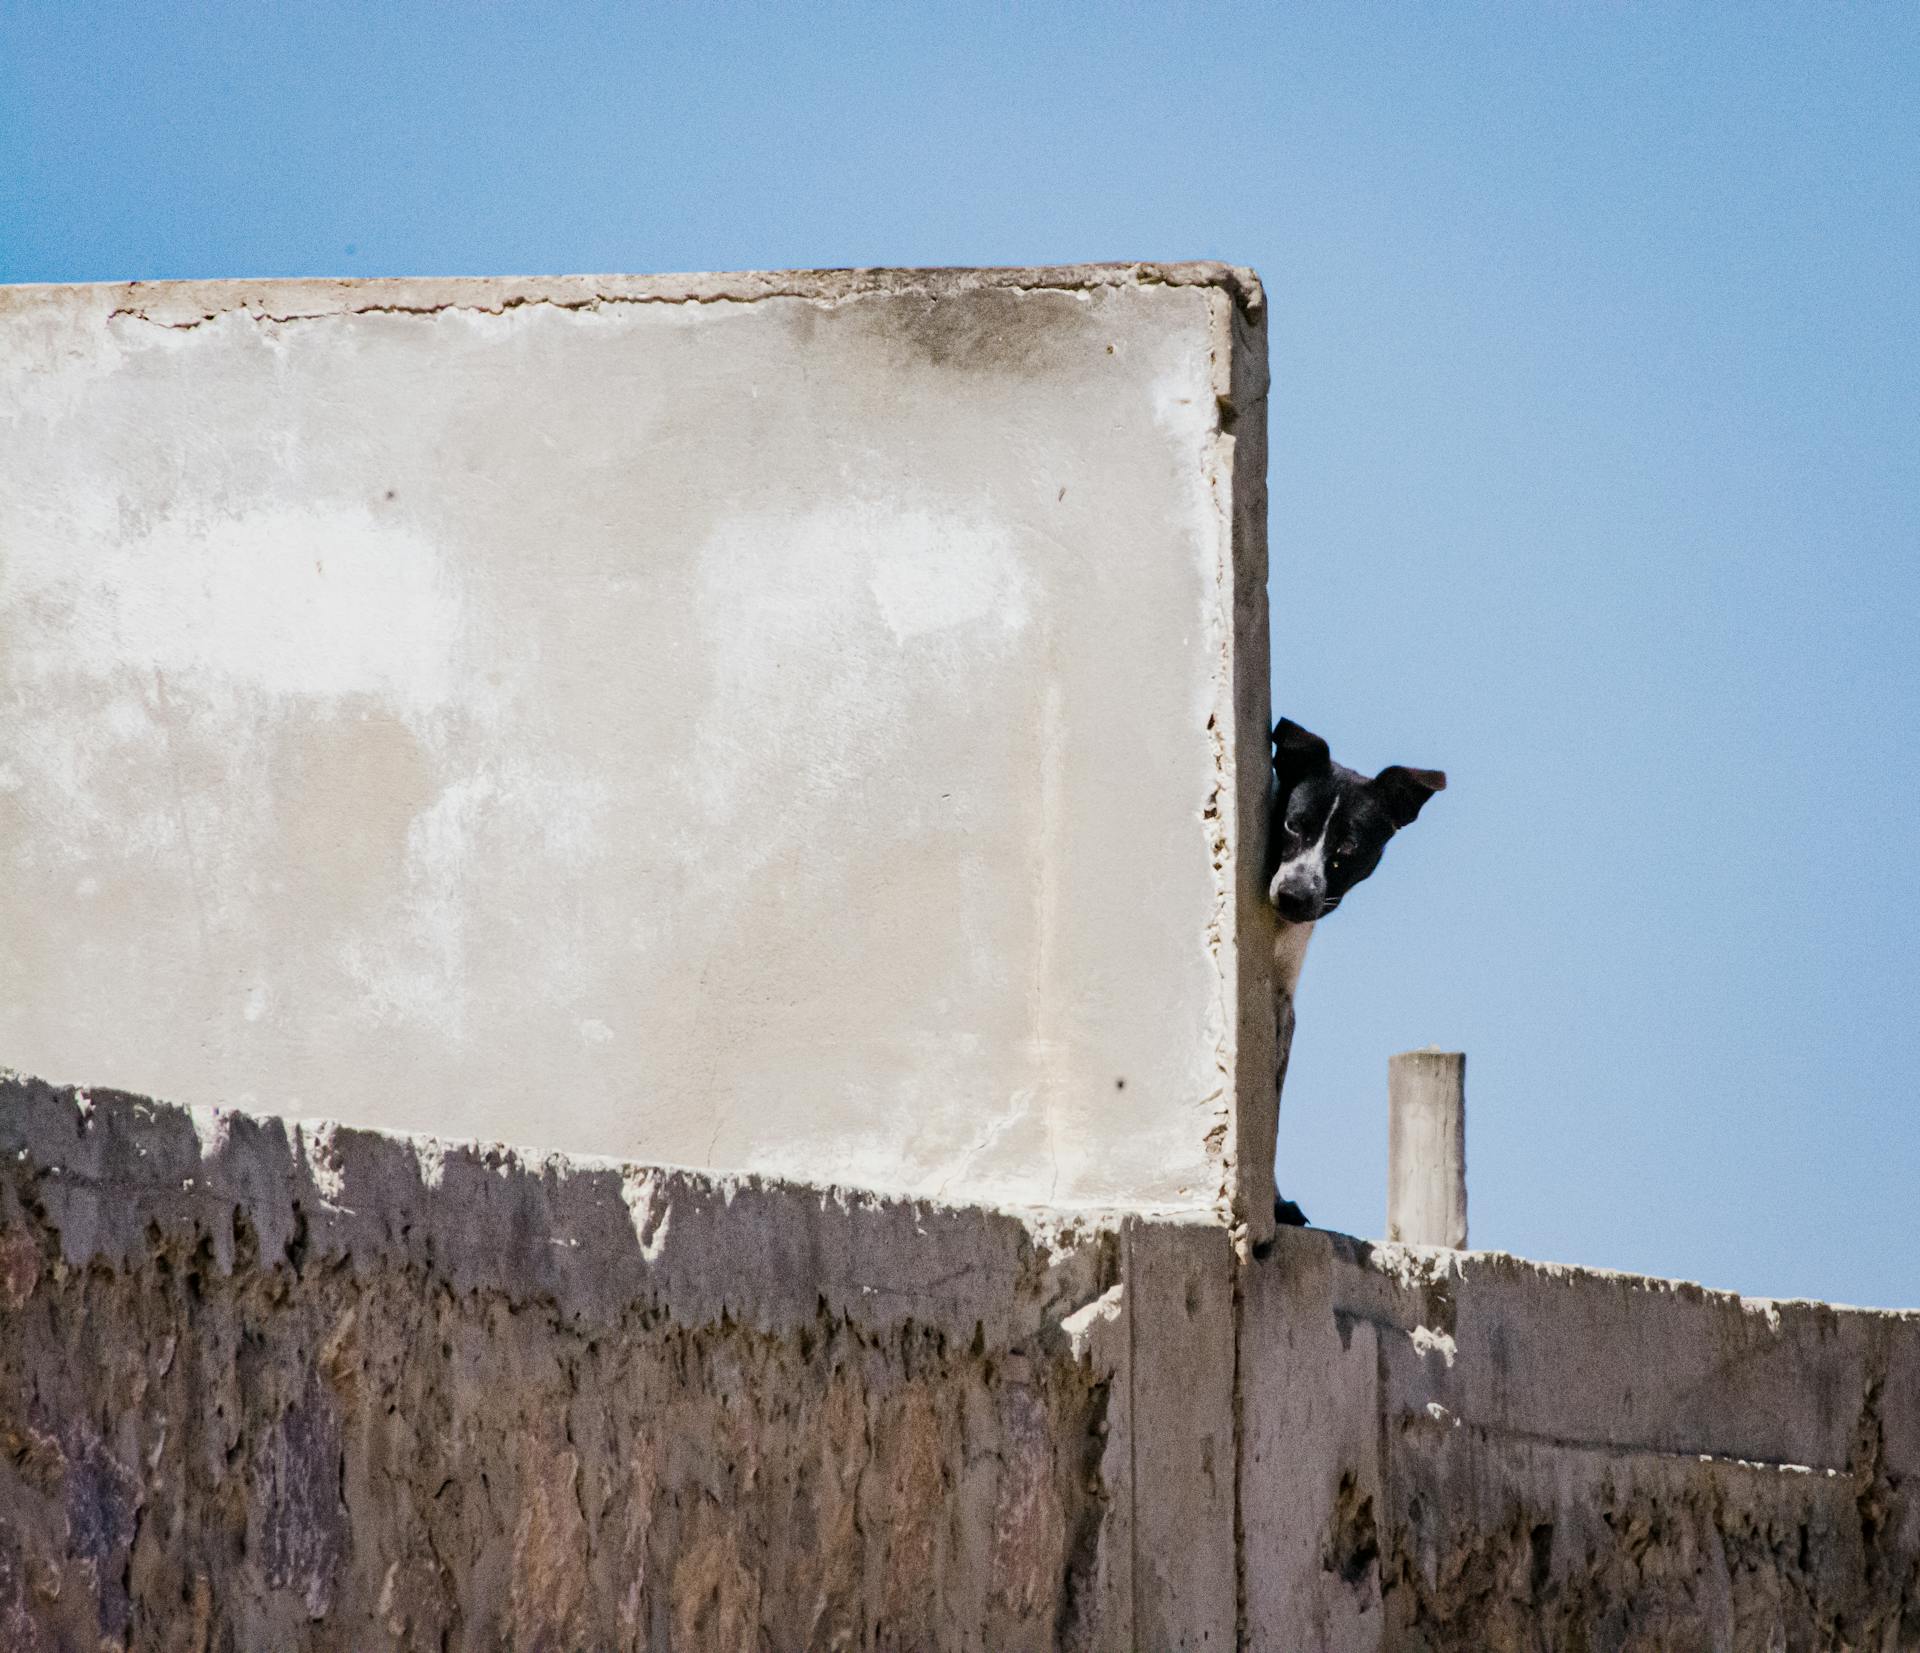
[[1428, 1341], [651, 1217], [211, 1126], [430, 1155], [1081, 1325], [320, 1149]]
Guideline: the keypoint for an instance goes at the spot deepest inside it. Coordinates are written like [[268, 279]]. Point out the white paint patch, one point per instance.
[[1187, 414], [1416, 1268], [937, 573], [387, 1598], [1427, 1341], [430, 1157], [814, 623], [651, 1218], [1776, 1469], [320, 1150], [650, 1249], [314, 601], [211, 1127], [595, 1031], [1081, 1324], [1183, 405], [792, 580], [516, 813]]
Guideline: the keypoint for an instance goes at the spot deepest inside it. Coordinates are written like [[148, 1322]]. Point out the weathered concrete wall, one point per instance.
[[1464, 1451], [806, 723], [311, 1388], [284, 1387]]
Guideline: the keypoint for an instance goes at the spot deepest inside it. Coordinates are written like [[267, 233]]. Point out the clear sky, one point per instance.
[[1596, 469]]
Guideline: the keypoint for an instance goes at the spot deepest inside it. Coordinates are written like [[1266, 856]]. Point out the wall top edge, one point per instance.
[[40, 1118], [354, 1167], [1421, 1271], [111, 1173], [190, 302]]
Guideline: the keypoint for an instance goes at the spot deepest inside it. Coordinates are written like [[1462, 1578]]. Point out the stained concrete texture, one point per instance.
[[1464, 1451], [271, 1386], [806, 723], [311, 1387]]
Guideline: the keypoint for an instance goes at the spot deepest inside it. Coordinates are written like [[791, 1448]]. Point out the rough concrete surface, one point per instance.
[[813, 724], [282, 1387], [1465, 1451], [299, 1387]]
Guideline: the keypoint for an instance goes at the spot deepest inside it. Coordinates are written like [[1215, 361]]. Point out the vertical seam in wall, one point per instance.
[[1133, 1435], [1239, 1270], [1382, 1445]]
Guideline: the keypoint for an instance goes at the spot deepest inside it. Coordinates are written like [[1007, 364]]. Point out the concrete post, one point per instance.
[[1427, 1148]]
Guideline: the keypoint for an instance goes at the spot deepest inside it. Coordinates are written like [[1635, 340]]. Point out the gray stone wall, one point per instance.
[[1465, 1451], [267, 1387]]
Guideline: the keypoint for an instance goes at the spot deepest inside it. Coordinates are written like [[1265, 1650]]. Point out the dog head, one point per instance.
[[1330, 824]]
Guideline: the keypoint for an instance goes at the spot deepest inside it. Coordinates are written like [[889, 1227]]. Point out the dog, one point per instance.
[[1327, 829]]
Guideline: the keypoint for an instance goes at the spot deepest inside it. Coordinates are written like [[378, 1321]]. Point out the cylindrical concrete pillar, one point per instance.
[[1427, 1148]]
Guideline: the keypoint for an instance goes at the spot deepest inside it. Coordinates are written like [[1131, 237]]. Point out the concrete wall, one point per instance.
[[297, 1387], [1465, 1451], [315, 1388], [814, 724]]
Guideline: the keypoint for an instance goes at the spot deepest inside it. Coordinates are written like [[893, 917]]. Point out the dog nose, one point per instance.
[[1298, 899]]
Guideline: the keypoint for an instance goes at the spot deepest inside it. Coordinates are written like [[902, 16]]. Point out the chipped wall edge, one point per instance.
[[188, 303]]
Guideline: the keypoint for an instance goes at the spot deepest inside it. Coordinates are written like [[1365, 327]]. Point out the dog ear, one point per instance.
[[1296, 753], [1404, 790]]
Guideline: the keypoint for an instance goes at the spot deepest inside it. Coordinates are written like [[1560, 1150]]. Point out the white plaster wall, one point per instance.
[[777, 722]]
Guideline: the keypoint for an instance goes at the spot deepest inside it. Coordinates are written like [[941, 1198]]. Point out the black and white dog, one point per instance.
[[1326, 832]]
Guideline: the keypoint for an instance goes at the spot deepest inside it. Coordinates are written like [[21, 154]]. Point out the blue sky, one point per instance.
[[1596, 469]]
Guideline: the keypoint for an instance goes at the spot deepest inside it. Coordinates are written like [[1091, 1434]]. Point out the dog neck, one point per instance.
[[1289, 954]]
